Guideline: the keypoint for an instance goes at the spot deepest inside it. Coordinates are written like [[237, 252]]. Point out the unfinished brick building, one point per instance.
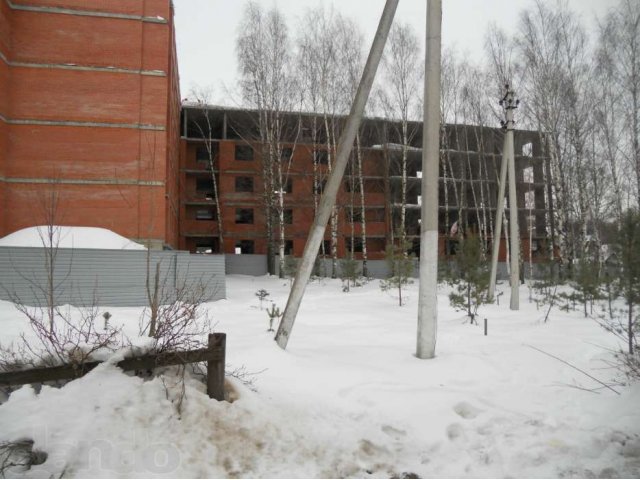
[[469, 168], [89, 109]]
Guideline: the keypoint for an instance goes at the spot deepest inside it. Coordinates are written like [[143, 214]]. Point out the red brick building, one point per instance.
[[89, 108], [470, 161]]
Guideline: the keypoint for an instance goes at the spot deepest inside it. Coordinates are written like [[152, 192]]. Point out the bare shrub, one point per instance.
[[175, 316], [71, 336], [19, 456]]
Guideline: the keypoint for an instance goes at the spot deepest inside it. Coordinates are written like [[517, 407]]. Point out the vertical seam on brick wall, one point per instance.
[[140, 121]]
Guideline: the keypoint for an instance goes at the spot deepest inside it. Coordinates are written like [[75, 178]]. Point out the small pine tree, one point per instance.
[[401, 267], [586, 283], [319, 267], [290, 267], [349, 273], [273, 313], [472, 282], [545, 289], [262, 294], [627, 249]]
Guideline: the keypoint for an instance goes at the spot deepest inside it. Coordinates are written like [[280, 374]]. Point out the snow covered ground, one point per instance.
[[70, 237], [348, 398]]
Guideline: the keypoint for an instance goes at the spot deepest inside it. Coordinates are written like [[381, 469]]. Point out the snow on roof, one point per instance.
[[70, 237]]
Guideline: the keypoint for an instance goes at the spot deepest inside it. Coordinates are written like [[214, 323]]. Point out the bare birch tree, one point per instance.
[[619, 57], [267, 83], [542, 47], [202, 100], [402, 73], [319, 60]]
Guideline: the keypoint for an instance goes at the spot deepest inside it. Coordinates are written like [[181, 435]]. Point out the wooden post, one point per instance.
[[215, 368], [485, 327]]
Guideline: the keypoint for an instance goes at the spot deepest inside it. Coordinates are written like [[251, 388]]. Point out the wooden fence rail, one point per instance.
[[214, 355]]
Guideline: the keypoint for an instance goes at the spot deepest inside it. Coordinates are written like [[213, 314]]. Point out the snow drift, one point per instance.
[[70, 237]]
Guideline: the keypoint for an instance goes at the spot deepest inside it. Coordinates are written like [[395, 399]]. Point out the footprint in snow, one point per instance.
[[466, 410], [455, 431], [393, 432]]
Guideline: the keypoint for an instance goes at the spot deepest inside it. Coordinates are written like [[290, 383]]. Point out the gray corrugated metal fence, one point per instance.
[[256, 265], [105, 277], [246, 264]]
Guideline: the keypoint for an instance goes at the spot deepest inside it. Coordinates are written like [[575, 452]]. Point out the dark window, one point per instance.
[[374, 215], [288, 216], [325, 248], [286, 153], [357, 244], [244, 184], [208, 246], [288, 247], [244, 215], [204, 188], [373, 186], [306, 134], [205, 214], [204, 184], [288, 185], [244, 246], [355, 216], [244, 152], [319, 187], [322, 157], [352, 185], [202, 154]]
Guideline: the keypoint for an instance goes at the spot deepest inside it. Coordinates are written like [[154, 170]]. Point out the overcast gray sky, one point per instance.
[[206, 29]]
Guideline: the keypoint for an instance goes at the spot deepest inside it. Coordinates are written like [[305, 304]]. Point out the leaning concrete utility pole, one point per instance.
[[497, 230], [428, 299], [328, 199], [510, 104]]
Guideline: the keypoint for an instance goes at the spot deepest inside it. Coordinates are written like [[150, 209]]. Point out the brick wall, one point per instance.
[[92, 107]]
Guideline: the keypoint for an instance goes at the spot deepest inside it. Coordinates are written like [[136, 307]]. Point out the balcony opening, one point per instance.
[[244, 184], [244, 247], [244, 152], [205, 214], [244, 216]]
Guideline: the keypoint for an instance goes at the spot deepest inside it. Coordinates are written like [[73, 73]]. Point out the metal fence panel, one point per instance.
[[85, 277], [246, 264]]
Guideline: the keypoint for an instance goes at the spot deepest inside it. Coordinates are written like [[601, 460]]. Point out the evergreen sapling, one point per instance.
[[349, 273], [273, 313], [472, 283], [262, 294], [400, 265]]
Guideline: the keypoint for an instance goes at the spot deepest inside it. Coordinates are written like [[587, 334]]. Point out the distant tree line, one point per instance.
[[580, 91]]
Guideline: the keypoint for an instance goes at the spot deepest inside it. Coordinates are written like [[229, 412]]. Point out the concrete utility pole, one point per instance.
[[428, 300], [328, 199], [497, 229], [510, 104]]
